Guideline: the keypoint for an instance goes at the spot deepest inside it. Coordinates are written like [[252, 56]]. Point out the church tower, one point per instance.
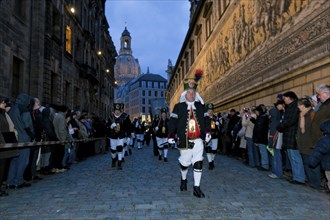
[[126, 67], [125, 43]]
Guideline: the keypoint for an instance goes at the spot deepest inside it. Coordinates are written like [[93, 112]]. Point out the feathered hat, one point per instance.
[[191, 83]]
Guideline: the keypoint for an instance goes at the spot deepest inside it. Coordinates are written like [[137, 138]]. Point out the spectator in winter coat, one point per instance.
[[260, 135], [288, 127], [6, 128], [321, 152], [36, 116], [60, 127], [49, 135], [323, 113], [275, 138], [21, 118], [305, 143], [252, 150]]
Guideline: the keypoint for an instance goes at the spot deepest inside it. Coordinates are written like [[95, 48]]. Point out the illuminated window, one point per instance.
[[68, 39]]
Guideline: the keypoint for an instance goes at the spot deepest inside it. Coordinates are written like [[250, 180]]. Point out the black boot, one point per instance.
[[130, 151], [183, 186], [160, 157], [126, 153], [114, 160], [165, 159], [211, 165], [198, 192], [119, 167]]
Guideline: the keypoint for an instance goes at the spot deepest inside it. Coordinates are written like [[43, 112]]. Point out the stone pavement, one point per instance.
[[147, 188]]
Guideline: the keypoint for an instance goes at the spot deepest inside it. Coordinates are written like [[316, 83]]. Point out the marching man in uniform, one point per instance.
[[139, 129], [212, 146], [119, 130], [187, 121], [161, 131], [127, 141]]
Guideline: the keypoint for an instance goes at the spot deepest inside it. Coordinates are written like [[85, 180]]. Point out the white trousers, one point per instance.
[[190, 156]]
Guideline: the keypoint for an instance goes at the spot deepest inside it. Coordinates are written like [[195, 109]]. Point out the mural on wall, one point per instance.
[[248, 28]]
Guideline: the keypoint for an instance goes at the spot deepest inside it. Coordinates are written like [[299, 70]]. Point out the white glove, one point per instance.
[[208, 137], [113, 125], [156, 128], [71, 131], [216, 123], [133, 135], [171, 141], [128, 140]]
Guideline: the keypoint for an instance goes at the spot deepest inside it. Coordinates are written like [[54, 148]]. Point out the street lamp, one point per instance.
[[99, 52], [72, 9]]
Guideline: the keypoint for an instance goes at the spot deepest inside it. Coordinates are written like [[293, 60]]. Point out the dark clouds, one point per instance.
[[157, 27]]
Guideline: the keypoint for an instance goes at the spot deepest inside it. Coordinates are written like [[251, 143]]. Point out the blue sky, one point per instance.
[[157, 27]]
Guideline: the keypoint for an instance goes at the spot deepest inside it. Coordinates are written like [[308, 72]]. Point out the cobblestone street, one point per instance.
[[147, 188]]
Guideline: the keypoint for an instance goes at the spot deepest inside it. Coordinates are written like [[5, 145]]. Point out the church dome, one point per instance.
[[127, 67], [126, 59]]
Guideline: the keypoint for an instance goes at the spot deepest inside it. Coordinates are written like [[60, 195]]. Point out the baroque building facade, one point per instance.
[[143, 96], [252, 50], [147, 95], [59, 51]]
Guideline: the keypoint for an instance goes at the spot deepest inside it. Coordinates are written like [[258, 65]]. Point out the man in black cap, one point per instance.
[[288, 127], [161, 134], [187, 121], [212, 146], [119, 130]]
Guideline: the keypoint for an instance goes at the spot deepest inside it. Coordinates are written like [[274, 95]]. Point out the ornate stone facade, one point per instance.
[[58, 51], [252, 50]]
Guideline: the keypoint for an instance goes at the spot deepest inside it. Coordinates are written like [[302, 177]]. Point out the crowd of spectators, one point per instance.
[[67, 132], [290, 139]]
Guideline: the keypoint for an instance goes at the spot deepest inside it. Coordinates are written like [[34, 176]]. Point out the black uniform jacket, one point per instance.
[[123, 128], [179, 122], [162, 131], [215, 129]]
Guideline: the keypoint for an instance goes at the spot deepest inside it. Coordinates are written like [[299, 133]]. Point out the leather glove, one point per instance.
[[171, 141], [208, 137], [113, 125]]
